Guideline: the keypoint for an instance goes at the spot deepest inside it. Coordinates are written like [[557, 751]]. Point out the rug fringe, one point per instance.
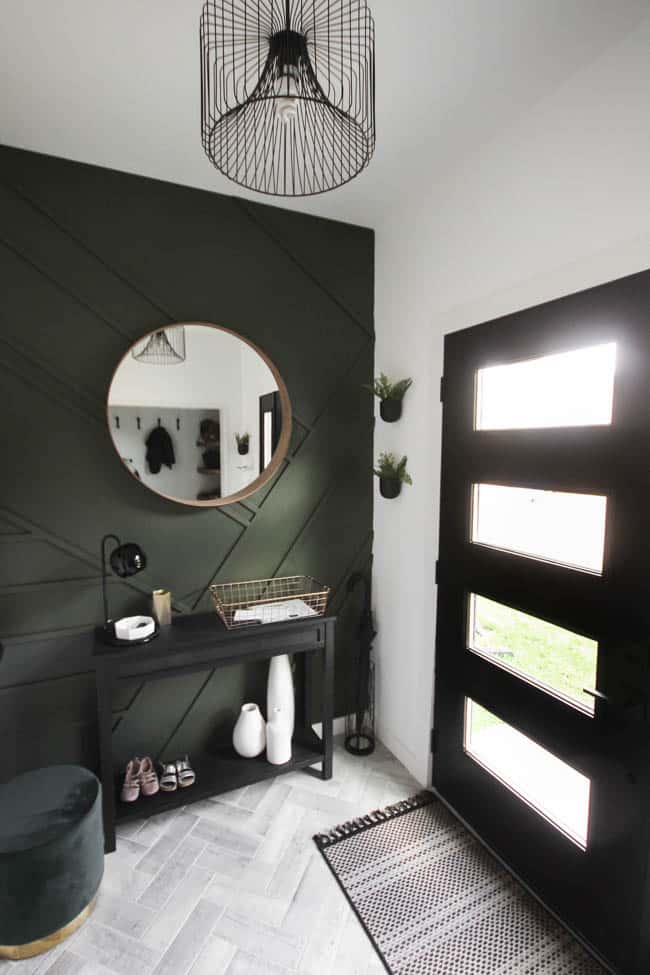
[[374, 818]]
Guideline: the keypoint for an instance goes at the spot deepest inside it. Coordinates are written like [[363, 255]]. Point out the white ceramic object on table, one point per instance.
[[278, 739], [134, 627], [249, 734], [279, 690]]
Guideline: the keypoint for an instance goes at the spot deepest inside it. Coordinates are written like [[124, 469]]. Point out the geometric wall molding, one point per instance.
[[91, 259]]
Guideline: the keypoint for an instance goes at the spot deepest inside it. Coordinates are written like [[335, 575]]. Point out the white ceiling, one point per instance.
[[116, 84]]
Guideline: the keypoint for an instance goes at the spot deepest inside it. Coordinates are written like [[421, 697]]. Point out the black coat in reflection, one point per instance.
[[160, 450]]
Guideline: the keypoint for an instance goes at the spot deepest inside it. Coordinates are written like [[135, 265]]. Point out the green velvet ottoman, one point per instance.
[[51, 857]]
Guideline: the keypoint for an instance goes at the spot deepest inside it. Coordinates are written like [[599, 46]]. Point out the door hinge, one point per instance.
[[442, 389], [433, 741], [437, 572]]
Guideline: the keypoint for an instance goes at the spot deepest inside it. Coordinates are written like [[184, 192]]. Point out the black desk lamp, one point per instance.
[[125, 560]]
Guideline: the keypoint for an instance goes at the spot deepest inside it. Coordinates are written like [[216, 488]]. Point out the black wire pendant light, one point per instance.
[[288, 92], [165, 347]]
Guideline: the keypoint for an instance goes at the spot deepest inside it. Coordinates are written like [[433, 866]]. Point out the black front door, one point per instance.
[[543, 636]]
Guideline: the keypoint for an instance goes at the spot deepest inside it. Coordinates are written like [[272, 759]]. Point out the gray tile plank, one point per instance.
[[352, 952], [121, 879], [66, 963], [214, 958], [252, 795], [245, 964], [269, 806], [296, 858], [167, 842], [235, 841], [220, 863], [188, 943], [260, 940], [129, 829], [131, 851], [122, 915], [264, 908], [168, 921], [222, 812], [327, 806], [172, 873], [317, 899], [280, 834], [114, 950]]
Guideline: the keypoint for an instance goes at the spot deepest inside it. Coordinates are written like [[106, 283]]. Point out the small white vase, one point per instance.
[[278, 739], [279, 690], [249, 734]]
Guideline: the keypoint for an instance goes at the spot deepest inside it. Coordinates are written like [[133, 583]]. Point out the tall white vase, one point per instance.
[[278, 738], [279, 691], [249, 734]]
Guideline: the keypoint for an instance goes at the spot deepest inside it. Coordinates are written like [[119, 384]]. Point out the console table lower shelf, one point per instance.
[[202, 643], [220, 772]]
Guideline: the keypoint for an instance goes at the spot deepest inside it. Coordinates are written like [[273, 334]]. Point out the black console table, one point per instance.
[[201, 642]]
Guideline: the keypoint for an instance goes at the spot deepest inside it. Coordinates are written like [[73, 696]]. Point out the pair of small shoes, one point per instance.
[[139, 779], [176, 775]]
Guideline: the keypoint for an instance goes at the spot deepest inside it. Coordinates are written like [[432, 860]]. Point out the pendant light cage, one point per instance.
[[288, 92], [166, 347]]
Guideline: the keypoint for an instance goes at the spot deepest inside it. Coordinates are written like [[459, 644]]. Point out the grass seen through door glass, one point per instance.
[[549, 655]]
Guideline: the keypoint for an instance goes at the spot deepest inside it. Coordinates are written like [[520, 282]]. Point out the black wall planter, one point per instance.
[[389, 487], [242, 448], [390, 410]]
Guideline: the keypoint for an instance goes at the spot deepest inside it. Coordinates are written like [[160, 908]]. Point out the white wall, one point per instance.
[[557, 203], [209, 376]]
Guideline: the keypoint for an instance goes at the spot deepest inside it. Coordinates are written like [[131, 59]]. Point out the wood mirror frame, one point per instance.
[[283, 443]]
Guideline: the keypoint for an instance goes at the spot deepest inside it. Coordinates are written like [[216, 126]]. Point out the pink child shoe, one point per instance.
[[149, 784], [131, 785]]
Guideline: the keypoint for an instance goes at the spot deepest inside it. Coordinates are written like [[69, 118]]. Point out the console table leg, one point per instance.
[[328, 701], [307, 670], [105, 722]]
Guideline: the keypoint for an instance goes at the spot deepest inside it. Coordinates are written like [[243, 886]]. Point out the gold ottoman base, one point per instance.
[[19, 952]]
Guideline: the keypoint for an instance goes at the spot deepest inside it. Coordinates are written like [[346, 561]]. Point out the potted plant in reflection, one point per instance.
[[390, 396], [392, 474], [243, 441]]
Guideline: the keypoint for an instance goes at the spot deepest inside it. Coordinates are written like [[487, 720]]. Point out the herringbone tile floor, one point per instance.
[[233, 885]]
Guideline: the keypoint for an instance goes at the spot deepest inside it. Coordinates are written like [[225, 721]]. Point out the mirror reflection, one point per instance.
[[198, 414]]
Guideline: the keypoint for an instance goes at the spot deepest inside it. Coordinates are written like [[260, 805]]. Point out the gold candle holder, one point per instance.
[[161, 606]]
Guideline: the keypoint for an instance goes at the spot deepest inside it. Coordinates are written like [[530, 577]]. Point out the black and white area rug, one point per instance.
[[433, 901]]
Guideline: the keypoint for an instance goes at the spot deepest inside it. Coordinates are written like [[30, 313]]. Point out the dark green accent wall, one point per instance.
[[90, 259]]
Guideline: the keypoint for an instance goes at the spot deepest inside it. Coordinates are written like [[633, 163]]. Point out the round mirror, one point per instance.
[[199, 414]]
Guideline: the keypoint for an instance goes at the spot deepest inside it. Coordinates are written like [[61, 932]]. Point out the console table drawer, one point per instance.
[[242, 646]]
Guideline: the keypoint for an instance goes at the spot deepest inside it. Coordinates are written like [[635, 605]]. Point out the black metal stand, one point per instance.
[[201, 642], [360, 724]]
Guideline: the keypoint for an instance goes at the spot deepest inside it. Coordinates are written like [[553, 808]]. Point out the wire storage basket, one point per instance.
[[269, 600]]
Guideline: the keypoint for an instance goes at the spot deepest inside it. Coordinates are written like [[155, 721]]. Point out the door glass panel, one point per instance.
[[556, 790], [551, 525], [569, 389], [557, 660]]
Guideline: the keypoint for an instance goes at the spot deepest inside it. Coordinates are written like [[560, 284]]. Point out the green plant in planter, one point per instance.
[[392, 474], [243, 440], [390, 396]]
